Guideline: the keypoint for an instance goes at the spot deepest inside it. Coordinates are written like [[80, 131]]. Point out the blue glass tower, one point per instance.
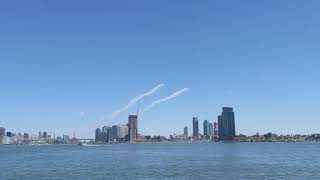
[[226, 123]]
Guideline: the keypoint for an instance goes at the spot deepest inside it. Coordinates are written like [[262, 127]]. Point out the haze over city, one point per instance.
[[74, 66]]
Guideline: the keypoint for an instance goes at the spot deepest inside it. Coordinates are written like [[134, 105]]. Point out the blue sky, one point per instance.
[[66, 64]]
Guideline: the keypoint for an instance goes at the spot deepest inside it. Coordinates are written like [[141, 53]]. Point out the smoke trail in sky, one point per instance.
[[172, 96], [136, 99]]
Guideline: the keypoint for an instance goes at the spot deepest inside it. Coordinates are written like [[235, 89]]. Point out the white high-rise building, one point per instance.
[[122, 131]]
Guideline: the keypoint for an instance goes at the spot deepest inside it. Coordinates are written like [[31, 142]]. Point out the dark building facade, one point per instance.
[[98, 135], [195, 124], [206, 130], [114, 133], [226, 123], [133, 127], [9, 134], [104, 134], [45, 135]]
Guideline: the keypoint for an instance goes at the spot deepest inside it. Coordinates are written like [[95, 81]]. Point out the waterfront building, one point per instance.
[[104, 134], [226, 124], [178, 138], [133, 127], [9, 140], [185, 131], [126, 129], [40, 135], [195, 124], [45, 135], [65, 138], [105, 128], [114, 133], [206, 128], [2, 133], [211, 129], [122, 131], [98, 135], [215, 129], [9, 134], [59, 140]]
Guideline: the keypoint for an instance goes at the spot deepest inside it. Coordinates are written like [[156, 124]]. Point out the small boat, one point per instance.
[[82, 144]]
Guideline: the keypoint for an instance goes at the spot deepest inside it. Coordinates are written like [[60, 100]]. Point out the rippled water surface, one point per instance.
[[162, 161]]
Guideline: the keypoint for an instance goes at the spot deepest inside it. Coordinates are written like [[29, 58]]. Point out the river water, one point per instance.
[[162, 161]]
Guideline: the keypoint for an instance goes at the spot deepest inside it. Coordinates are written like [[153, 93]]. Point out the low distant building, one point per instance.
[[65, 138], [2, 133], [59, 140], [45, 135], [40, 135], [175, 137], [9, 134], [9, 140]]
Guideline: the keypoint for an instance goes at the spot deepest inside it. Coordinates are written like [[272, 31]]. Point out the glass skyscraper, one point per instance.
[[206, 130], [185, 131], [226, 123], [195, 127]]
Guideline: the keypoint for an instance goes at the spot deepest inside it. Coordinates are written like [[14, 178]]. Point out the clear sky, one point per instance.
[[65, 66]]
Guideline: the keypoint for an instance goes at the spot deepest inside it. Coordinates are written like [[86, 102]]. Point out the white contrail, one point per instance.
[[172, 96], [136, 99]]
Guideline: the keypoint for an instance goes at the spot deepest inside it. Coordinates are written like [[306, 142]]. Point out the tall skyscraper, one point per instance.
[[114, 133], [106, 134], [133, 127], [206, 128], [185, 131], [122, 131], [195, 124], [98, 135], [226, 122], [210, 129]]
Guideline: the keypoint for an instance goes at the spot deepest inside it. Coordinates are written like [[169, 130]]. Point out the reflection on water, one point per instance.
[[162, 161]]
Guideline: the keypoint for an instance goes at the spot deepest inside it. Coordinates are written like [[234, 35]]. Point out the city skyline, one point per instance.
[[223, 130], [67, 66]]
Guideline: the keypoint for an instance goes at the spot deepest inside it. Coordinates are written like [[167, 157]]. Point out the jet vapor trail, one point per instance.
[[172, 96], [136, 99]]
